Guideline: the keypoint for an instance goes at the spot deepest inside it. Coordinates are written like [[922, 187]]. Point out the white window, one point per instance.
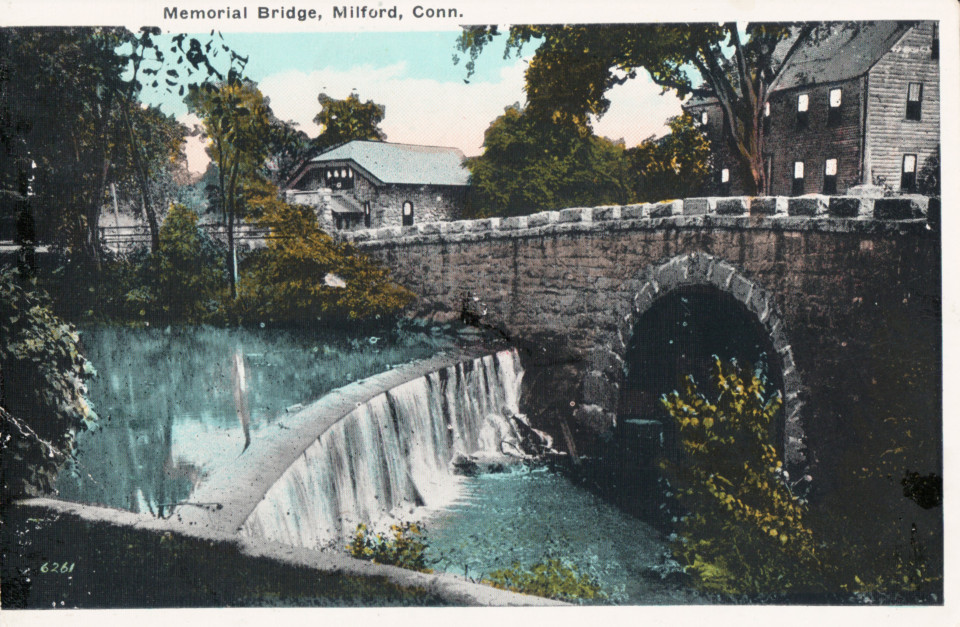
[[910, 163], [766, 109], [704, 118], [830, 169], [803, 102], [798, 169], [725, 175], [836, 97]]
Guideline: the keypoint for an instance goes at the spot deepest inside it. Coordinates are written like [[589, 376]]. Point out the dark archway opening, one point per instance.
[[677, 336]]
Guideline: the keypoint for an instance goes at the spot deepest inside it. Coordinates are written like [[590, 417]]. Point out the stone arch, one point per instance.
[[606, 363]]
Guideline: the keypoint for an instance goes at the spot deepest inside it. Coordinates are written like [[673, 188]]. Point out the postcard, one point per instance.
[[647, 310]]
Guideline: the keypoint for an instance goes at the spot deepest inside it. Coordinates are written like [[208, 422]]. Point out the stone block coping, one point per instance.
[[813, 212]]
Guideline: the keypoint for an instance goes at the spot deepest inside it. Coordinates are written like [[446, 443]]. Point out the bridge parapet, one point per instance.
[[812, 212]]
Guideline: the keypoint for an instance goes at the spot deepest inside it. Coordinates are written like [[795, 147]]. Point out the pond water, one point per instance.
[[528, 514], [167, 408]]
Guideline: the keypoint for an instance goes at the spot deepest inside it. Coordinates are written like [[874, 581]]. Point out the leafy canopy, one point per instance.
[[304, 275], [576, 65], [533, 164], [348, 119], [42, 374], [674, 166]]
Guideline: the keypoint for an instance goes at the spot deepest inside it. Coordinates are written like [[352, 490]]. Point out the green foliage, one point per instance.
[[576, 65], [237, 121], [303, 275], [530, 163], [42, 389], [928, 182], [552, 578], [79, 121], [348, 119], [405, 548], [674, 166], [745, 531], [188, 284]]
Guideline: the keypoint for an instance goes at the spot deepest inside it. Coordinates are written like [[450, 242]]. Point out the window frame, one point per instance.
[[833, 111], [830, 180], [406, 218], [908, 180], [935, 42], [915, 107], [798, 188], [803, 114]]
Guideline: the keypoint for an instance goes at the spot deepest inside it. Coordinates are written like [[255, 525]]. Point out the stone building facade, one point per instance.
[[859, 108], [369, 184]]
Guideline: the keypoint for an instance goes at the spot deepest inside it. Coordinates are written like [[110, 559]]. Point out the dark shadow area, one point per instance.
[[676, 337]]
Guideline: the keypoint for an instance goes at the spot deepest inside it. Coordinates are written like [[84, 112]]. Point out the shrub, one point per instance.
[[42, 389], [744, 530], [552, 578], [303, 275], [406, 548], [188, 283]]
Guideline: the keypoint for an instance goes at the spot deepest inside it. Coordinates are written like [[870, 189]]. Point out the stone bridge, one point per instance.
[[845, 290]]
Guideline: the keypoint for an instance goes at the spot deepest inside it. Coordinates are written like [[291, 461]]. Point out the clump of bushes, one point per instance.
[[552, 578], [405, 547], [745, 531], [303, 274], [42, 375]]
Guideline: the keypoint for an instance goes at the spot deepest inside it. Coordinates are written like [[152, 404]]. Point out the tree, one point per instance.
[[348, 119], [187, 276], [42, 390], [575, 66], [151, 163], [288, 148], [64, 121], [79, 120], [533, 164], [674, 166], [236, 120], [304, 275]]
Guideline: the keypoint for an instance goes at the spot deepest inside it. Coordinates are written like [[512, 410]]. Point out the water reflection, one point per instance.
[[168, 409]]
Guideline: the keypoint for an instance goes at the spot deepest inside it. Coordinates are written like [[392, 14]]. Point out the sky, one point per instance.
[[427, 99]]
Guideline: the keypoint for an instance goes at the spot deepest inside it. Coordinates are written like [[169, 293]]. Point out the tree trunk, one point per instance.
[[143, 181], [231, 251]]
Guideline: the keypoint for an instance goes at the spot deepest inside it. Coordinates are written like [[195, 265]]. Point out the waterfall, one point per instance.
[[391, 453]]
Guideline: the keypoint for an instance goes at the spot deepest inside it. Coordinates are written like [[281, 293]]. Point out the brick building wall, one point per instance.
[[868, 134]]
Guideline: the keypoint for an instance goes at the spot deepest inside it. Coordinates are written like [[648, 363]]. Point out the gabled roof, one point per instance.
[[847, 51], [407, 164]]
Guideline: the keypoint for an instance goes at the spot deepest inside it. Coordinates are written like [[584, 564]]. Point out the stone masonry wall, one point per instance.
[[840, 284]]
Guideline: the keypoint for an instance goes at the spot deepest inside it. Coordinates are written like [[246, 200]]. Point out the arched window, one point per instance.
[[407, 213]]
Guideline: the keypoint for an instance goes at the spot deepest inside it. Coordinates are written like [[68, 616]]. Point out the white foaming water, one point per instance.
[[389, 456]]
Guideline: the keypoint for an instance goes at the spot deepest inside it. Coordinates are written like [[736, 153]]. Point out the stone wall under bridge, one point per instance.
[[847, 290]]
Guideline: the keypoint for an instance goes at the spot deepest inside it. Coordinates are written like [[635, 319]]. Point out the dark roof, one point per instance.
[[402, 163], [848, 51]]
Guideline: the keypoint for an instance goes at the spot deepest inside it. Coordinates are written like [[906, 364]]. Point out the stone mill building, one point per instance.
[[858, 107], [372, 184]]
